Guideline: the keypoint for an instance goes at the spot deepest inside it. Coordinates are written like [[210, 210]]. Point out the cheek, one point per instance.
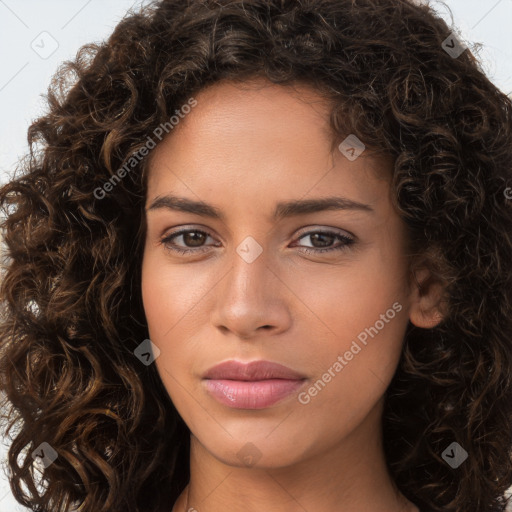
[[343, 300], [352, 365], [171, 295], [358, 313], [174, 299], [166, 305], [168, 298]]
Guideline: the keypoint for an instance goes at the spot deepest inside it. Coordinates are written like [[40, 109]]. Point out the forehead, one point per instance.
[[248, 114], [263, 138]]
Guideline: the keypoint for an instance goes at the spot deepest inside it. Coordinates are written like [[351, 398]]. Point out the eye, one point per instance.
[[324, 239], [194, 240]]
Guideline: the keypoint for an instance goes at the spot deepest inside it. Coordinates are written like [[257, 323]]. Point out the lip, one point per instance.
[[254, 370], [253, 385]]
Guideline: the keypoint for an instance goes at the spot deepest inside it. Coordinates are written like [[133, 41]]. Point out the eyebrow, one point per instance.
[[282, 210]]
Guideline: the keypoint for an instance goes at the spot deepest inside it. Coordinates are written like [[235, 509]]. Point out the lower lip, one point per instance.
[[256, 394]]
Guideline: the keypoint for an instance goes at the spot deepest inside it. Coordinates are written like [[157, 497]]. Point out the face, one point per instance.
[[323, 292]]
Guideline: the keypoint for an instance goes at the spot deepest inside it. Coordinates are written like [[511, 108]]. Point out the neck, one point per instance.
[[351, 476]]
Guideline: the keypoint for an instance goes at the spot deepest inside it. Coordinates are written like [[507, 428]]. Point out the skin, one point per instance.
[[243, 149]]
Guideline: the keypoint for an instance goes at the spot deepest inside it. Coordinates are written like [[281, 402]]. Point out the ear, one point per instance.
[[426, 300]]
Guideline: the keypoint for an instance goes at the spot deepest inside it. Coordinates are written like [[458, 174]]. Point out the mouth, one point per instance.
[[256, 385]]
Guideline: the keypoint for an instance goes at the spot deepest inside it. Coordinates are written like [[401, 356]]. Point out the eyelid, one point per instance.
[[303, 231], [314, 229]]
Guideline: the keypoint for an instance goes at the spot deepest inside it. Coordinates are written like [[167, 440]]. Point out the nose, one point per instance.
[[252, 300]]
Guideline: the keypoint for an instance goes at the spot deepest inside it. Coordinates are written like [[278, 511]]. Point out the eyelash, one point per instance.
[[347, 242]]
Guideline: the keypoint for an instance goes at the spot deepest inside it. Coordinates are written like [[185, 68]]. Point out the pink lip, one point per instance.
[[255, 385], [254, 370]]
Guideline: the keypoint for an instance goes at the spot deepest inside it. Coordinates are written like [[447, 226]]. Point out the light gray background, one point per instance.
[[31, 29]]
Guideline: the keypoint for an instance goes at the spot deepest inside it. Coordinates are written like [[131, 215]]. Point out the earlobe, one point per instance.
[[426, 301], [425, 319]]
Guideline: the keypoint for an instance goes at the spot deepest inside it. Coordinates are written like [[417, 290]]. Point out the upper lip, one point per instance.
[[254, 370]]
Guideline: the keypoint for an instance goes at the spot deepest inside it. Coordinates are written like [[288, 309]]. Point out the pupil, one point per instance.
[[319, 237], [194, 237]]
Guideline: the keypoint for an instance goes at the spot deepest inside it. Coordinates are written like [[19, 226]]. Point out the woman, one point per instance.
[[262, 260]]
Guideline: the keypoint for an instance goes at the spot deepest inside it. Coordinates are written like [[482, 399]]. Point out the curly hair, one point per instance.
[[72, 313]]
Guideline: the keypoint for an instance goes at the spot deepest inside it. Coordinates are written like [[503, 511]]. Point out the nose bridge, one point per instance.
[[249, 276], [249, 297]]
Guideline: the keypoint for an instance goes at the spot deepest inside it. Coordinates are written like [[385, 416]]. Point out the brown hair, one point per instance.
[[71, 295]]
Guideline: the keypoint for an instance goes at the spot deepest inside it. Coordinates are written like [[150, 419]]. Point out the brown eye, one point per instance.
[[195, 239], [321, 241], [191, 238]]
